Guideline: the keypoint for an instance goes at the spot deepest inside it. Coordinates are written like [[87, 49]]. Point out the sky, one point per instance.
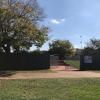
[[73, 20]]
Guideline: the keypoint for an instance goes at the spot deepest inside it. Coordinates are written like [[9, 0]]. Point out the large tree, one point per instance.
[[19, 26], [62, 47]]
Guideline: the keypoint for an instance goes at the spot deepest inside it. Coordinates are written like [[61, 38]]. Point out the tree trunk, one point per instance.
[[7, 49]]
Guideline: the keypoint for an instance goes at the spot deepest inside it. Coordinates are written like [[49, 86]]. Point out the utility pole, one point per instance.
[[81, 42]]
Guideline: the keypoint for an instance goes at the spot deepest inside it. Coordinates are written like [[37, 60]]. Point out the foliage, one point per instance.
[[94, 44], [78, 52], [19, 26], [38, 52], [92, 48], [88, 51], [62, 47]]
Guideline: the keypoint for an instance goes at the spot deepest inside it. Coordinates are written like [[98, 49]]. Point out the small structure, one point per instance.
[[90, 62]]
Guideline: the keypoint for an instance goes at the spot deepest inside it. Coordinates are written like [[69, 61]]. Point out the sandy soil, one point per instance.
[[58, 72]]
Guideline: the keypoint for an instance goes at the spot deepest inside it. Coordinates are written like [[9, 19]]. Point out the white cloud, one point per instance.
[[57, 21], [54, 21]]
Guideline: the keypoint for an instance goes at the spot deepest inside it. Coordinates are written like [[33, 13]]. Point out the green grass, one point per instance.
[[50, 89], [73, 63]]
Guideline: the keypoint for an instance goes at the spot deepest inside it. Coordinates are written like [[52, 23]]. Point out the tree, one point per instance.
[[78, 52], [94, 44], [92, 48], [19, 26], [88, 51], [62, 47]]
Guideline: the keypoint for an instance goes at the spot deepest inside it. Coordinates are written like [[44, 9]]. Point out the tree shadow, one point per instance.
[[6, 73]]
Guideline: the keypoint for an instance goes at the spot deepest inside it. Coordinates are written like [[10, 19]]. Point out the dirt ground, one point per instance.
[[56, 72]]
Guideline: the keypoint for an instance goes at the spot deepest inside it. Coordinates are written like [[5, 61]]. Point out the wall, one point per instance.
[[24, 61], [94, 65]]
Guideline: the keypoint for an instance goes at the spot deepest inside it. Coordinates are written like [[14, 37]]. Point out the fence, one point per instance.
[[24, 61], [91, 62], [54, 60]]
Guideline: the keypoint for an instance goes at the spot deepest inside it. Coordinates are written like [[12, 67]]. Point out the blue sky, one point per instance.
[[70, 19]]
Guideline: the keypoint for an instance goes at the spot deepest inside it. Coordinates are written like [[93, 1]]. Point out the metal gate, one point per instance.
[[54, 60]]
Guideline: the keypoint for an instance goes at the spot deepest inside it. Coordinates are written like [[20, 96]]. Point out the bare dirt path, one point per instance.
[[58, 72]]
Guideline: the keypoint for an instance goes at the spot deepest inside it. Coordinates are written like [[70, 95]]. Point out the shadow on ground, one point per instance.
[[6, 73]]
